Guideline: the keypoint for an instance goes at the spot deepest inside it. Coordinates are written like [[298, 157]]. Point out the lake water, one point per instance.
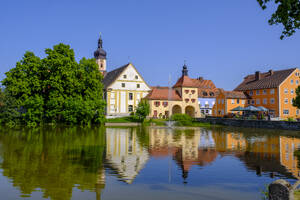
[[144, 163]]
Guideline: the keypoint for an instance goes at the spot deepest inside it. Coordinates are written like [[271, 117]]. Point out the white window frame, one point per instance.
[[243, 102], [286, 111], [286, 91], [292, 91], [286, 100], [257, 101], [232, 101]]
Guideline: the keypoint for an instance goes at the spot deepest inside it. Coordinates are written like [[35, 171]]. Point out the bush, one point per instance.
[[182, 119]]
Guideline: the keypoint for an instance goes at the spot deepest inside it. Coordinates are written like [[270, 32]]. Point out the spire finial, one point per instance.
[[184, 69], [100, 42]]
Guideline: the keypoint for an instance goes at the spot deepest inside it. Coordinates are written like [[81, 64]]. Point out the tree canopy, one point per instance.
[[287, 14], [53, 89]]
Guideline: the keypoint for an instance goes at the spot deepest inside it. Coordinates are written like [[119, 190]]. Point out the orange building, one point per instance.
[[273, 90], [228, 100]]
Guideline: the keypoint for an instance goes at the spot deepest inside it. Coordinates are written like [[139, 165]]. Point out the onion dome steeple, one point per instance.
[[100, 53], [184, 70]]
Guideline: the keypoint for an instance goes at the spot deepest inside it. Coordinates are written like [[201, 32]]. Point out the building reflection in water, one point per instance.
[[124, 154], [127, 155]]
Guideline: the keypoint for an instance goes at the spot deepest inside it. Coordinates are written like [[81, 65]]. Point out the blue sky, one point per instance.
[[221, 40]]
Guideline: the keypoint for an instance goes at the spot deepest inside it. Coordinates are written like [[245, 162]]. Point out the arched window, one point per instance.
[[204, 93], [130, 108], [211, 94]]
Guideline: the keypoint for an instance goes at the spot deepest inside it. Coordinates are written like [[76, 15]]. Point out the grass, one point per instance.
[[128, 119]]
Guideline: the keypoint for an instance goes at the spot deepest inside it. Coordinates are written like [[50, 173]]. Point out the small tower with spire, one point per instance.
[[184, 70], [100, 56]]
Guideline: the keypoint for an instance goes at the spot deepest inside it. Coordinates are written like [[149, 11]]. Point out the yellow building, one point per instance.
[[124, 87]]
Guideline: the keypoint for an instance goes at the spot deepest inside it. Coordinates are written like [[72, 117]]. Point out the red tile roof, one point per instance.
[[185, 81], [235, 95], [271, 79], [162, 93]]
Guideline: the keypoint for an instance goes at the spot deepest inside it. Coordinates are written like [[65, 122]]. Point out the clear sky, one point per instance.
[[221, 40]]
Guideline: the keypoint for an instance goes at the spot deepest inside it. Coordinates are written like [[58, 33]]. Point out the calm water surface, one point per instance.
[[144, 163]]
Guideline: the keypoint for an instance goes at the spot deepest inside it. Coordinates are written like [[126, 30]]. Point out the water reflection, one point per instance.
[[58, 161]]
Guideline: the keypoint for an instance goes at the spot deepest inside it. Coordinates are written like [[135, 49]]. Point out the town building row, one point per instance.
[[124, 87]]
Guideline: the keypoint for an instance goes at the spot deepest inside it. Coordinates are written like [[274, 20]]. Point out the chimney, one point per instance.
[[257, 75], [200, 78], [271, 72]]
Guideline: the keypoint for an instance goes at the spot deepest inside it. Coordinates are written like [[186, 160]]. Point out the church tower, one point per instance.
[[100, 56]]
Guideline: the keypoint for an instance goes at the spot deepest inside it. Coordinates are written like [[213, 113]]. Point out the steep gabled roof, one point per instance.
[[111, 76], [185, 81], [163, 93], [267, 80]]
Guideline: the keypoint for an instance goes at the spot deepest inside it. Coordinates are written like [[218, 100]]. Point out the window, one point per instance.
[[243, 101], [222, 101], [252, 101], [186, 100], [297, 112], [155, 113], [124, 76], [130, 108], [222, 111], [204, 93], [272, 91], [292, 101], [136, 77], [286, 101], [112, 95], [264, 91], [211, 94], [123, 84], [292, 91], [286, 91], [272, 100], [219, 101], [165, 104], [238, 101], [193, 91], [265, 101], [257, 92], [137, 85], [232, 101], [130, 96], [251, 93], [297, 82], [292, 81], [193, 100], [257, 101], [248, 101], [157, 103], [286, 112], [186, 91]]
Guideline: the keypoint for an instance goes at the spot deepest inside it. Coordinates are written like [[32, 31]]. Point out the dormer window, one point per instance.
[[211, 94], [204, 93], [124, 76]]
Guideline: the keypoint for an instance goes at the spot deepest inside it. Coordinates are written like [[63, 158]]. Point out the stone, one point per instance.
[[281, 190]]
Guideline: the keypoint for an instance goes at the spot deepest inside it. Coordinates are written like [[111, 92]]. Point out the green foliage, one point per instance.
[[296, 100], [53, 89], [182, 119], [128, 119], [142, 110], [287, 14]]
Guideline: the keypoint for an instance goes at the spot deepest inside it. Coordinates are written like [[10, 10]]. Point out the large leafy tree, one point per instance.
[[287, 14], [56, 88], [142, 110]]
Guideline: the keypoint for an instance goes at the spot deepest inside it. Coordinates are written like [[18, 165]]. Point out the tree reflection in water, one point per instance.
[[58, 160]]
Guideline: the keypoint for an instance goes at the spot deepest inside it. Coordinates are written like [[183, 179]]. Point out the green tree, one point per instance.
[[142, 110], [296, 100], [287, 14], [56, 88]]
